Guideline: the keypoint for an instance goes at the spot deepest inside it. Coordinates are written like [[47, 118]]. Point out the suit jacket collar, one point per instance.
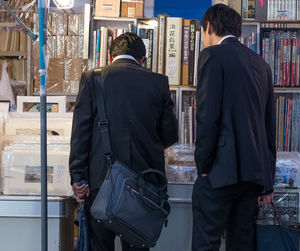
[[125, 61], [230, 40]]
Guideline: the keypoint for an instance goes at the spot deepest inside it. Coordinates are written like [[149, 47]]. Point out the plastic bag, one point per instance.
[[6, 92]]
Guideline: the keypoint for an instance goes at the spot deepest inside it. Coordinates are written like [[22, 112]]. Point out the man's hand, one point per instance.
[[81, 191], [265, 199]]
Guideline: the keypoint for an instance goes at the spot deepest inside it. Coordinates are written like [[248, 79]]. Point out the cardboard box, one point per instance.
[[72, 46], [132, 8], [55, 69], [107, 8], [73, 69], [53, 86]]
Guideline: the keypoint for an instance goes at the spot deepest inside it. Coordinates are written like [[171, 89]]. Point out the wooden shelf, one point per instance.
[[116, 19], [272, 21], [184, 86], [287, 89], [13, 53]]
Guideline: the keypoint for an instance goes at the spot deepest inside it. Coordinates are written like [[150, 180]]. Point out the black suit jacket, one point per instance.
[[141, 121], [236, 132]]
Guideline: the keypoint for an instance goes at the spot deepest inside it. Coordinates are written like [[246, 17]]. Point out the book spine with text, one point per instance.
[[173, 50], [185, 52], [161, 43], [197, 53], [193, 29]]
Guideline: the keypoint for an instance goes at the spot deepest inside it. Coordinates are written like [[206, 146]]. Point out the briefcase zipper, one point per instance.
[[132, 191]]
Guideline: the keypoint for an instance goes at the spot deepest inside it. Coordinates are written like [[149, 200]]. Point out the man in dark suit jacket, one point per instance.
[[235, 147], [142, 124]]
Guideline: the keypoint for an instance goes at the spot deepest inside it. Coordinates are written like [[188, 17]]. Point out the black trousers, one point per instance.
[[101, 238], [214, 210]]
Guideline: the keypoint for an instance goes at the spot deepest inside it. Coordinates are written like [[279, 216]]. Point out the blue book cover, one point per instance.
[[285, 122], [97, 63]]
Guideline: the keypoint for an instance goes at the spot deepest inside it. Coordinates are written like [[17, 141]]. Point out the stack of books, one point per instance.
[[13, 40], [172, 47], [281, 50], [288, 123]]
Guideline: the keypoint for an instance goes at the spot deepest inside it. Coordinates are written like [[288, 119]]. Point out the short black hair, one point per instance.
[[223, 20], [128, 44]]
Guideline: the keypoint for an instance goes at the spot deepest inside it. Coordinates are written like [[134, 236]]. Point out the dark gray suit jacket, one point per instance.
[[141, 121], [236, 134]]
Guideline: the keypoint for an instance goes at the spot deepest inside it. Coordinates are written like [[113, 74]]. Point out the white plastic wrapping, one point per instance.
[[21, 171], [6, 92], [288, 169], [59, 124], [180, 164], [180, 154], [181, 174]]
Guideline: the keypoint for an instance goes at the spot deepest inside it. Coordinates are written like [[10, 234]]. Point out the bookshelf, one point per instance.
[[279, 46], [24, 55]]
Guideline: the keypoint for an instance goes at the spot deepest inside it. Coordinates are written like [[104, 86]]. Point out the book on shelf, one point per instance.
[[188, 118], [283, 9], [281, 50], [288, 123], [102, 39], [172, 46], [161, 57], [13, 40], [173, 49], [250, 41]]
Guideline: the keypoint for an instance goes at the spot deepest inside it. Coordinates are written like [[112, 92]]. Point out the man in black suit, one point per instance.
[[235, 147], [142, 124]]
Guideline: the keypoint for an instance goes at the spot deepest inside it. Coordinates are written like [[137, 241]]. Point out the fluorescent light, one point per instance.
[[64, 4]]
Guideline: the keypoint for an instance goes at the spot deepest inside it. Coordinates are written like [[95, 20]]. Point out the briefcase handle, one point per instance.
[[161, 174]]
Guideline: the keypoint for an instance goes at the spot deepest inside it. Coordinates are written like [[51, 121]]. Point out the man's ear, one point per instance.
[[209, 28], [141, 61], [110, 58]]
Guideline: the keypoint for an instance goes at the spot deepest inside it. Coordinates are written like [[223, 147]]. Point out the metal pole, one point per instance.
[[43, 94]]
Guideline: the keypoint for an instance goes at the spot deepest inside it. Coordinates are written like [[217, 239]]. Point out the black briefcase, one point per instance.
[[131, 207], [127, 203]]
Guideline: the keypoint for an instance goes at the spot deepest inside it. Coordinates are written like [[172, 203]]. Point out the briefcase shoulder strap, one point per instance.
[[103, 122]]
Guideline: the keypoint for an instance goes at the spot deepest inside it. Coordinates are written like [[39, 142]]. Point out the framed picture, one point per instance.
[[32, 104]]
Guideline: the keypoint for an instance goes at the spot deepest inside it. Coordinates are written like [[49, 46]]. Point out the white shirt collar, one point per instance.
[[223, 38], [127, 57]]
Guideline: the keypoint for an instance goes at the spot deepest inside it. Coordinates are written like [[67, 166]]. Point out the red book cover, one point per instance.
[[284, 64], [288, 62]]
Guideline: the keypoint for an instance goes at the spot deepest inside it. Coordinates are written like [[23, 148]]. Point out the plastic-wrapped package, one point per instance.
[[288, 169], [73, 24], [59, 23], [72, 46], [73, 68], [80, 46], [51, 46], [21, 171], [81, 24], [180, 154], [6, 92], [286, 203], [70, 87], [181, 174], [60, 46], [52, 87], [59, 124]]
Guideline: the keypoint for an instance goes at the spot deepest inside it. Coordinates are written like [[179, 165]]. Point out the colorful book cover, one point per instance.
[[185, 52], [98, 41]]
